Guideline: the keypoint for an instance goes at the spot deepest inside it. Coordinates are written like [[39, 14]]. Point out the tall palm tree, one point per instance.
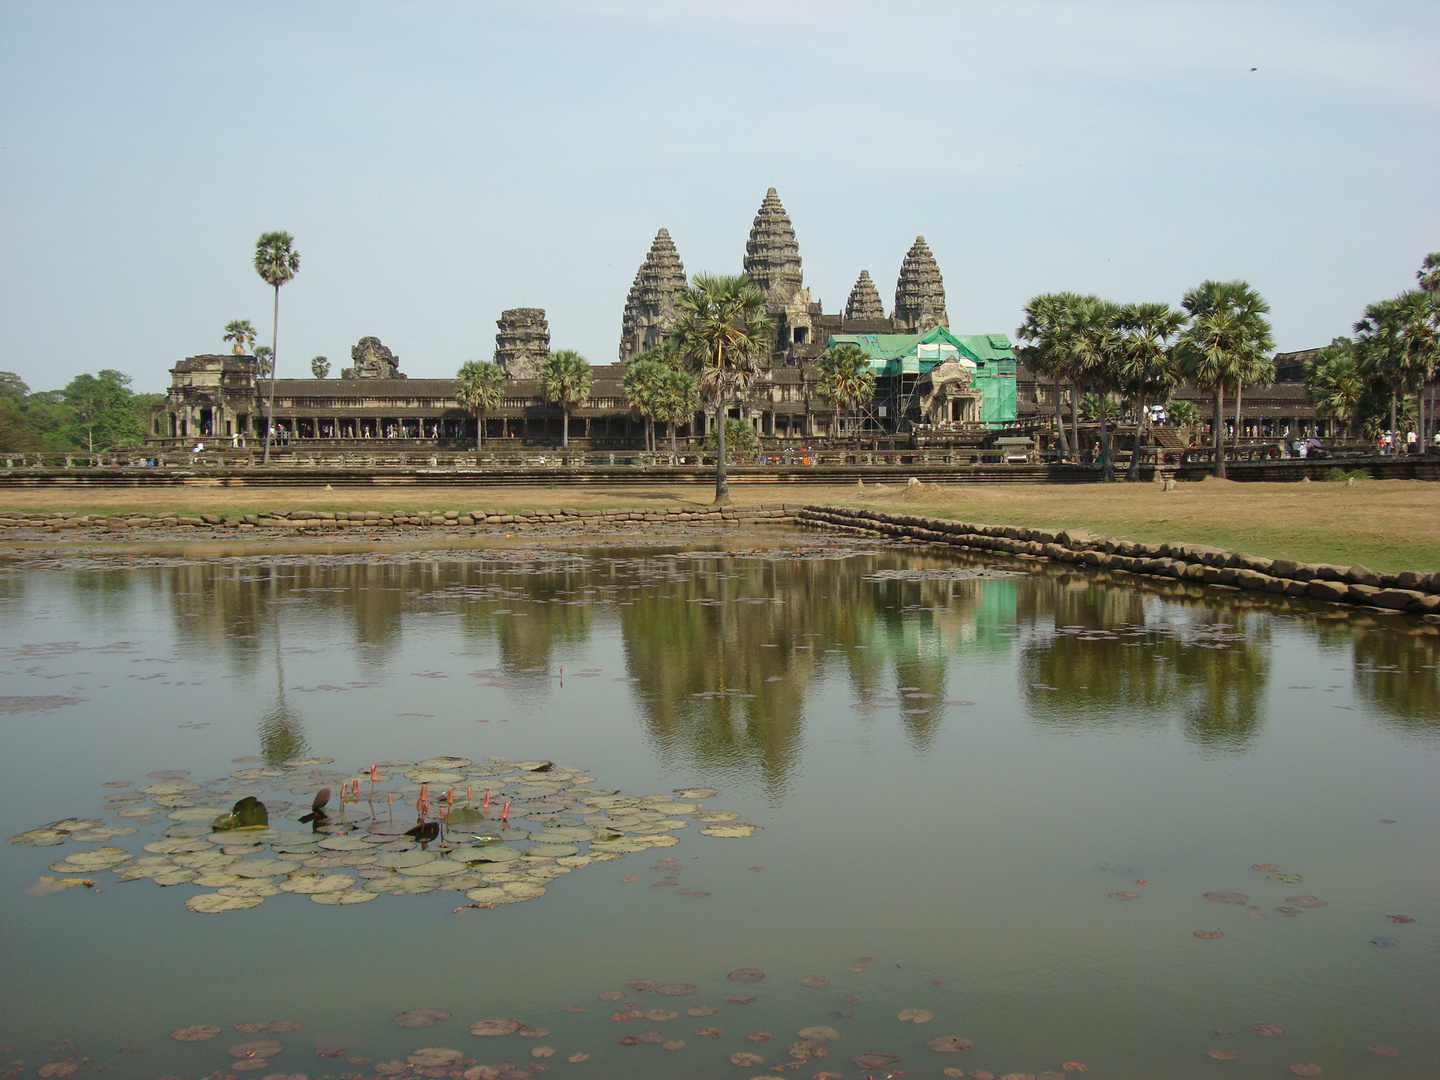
[[1227, 332], [1094, 341], [676, 399], [320, 367], [1047, 334], [1335, 384], [264, 361], [846, 379], [723, 336], [565, 380], [1147, 364], [482, 387], [1397, 345], [241, 336], [277, 263], [1429, 273], [641, 387]]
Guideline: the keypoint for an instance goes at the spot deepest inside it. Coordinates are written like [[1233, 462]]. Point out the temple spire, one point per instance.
[[864, 302], [772, 255], [650, 307], [919, 292]]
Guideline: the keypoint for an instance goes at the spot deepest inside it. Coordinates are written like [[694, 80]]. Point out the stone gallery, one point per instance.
[[928, 380]]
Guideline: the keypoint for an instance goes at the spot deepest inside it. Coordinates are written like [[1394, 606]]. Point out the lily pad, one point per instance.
[[40, 837], [1306, 901], [495, 1027], [1221, 1055], [747, 1059], [819, 1033], [397, 859], [215, 903], [1289, 879], [487, 894], [874, 1061], [256, 1048], [696, 792], [1227, 897], [1207, 934], [702, 1010], [717, 815], [1124, 895], [260, 868], [308, 884], [436, 868], [915, 1016], [551, 851], [395, 885], [195, 1033], [729, 831], [676, 989], [950, 1044], [101, 858], [813, 980], [1301, 1068], [1268, 1030], [500, 854], [435, 776], [348, 896], [746, 975], [434, 1056]]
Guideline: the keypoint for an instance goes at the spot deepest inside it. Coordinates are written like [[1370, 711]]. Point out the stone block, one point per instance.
[[1325, 589], [1362, 594], [1362, 575], [1396, 599]]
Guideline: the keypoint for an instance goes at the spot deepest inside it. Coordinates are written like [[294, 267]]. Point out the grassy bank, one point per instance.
[[1389, 525]]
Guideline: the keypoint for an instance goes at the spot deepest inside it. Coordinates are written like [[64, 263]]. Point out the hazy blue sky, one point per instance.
[[439, 162]]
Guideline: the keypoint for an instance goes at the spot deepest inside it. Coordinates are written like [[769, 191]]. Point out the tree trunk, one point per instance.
[[479, 432], [270, 402], [1217, 422], [565, 427], [1239, 393], [1107, 468], [1075, 417], [1060, 422], [1394, 418], [722, 485], [671, 426], [1133, 473]]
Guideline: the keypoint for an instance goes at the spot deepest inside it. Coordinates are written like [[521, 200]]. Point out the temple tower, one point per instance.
[[864, 302], [650, 307], [919, 292], [523, 342], [772, 256]]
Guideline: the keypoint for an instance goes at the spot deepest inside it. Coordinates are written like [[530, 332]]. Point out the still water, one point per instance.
[[954, 764]]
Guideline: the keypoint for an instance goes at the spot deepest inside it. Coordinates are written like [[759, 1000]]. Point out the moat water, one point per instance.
[[954, 764]]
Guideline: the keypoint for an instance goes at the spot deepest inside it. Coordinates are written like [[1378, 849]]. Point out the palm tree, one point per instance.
[[1183, 416], [1093, 337], [565, 381], [482, 387], [1429, 273], [1046, 331], [1147, 364], [241, 334], [676, 399], [1227, 332], [264, 361], [723, 336], [1335, 384], [846, 379], [1397, 346], [277, 264], [641, 387]]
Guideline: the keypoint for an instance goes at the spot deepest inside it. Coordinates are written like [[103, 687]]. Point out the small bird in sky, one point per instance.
[[1254, 69]]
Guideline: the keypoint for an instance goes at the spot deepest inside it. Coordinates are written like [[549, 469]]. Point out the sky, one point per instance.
[[440, 162]]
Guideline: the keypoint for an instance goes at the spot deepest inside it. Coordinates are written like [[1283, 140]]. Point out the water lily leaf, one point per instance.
[[813, 980], [613, 995], [1222, 1055], [1402, 919], [551, 851], [195, 1033], [747, 1059], [702, 1010], [643, 985], [101, 858], [344, 843], [1306, 901], [1289, 879], [260, 868], [1124, 895], [676, 989], [949, 1044], [577, 1058], [435, 868], [1207, 934], [1384, 942], [495, 1027], [175, 845], [256, 1048], [519, 891], [435, 776], [729, 831], [309, 883], [348, 896], [40, 837], [915, 1016], [874, 1061], [411, 857], [102, 833], [1269, 1030], [490, 894], [819, 1033], [696, 792], [1266, 867], [661, 1016], [499, 854], [654, 1038], [746, 975], [444, 763], [215, 903], [171, 787], [543, 1052], [1301, 1068], [717, 815], [434, 1056], [1227, 897]]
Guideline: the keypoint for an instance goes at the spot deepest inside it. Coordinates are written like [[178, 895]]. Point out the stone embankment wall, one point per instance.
[[1417, 593], [321, 521]]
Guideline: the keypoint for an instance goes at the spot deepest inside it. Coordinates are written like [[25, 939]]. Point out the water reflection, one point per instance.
[[728, 653]]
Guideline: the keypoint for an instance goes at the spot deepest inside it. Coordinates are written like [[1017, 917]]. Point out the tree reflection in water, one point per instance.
[[728, 650]]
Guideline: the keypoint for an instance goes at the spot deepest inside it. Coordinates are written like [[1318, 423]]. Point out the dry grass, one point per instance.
[[1388, 525]]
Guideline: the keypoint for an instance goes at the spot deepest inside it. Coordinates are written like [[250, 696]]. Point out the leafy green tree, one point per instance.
[[1148, 369], [482, 387], [1429, 274], [641, 387], [845, 377], [740, 437], [320, 367], [1227, 333], [1335, 383], [277, 263], [101, 411], [13, 388], [1047, 348], [1183, 416], [677, 398], [264, 361], [1398, 344], [565, 380], [723, 337], [240, 335]]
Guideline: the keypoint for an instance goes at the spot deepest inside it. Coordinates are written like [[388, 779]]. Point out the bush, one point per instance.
[[1340, 475], [740, 439]]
